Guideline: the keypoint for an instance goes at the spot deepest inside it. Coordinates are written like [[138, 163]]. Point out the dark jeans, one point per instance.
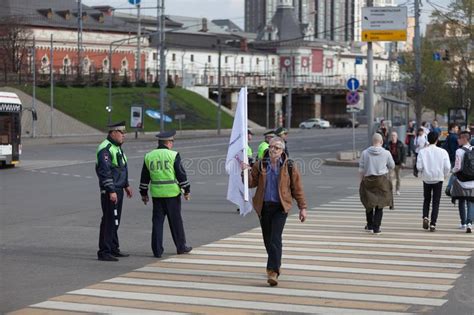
[[109, 224], [374, 218], [170, 207], [415, 170], [428, 190], [273, 221]]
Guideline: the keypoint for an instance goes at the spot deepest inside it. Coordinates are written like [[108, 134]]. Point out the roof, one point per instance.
[[395, 100], [60, 14], [227, 25], [286, 24]]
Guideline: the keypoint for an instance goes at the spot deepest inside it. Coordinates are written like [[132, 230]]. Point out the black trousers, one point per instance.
[[109, 224], [170, 207], [272, 221], [374, 218], [428, 190]]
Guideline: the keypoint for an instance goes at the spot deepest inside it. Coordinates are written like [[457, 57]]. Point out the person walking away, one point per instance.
[[433, 164], [283, 133], [278, 181], [410, 137], [463, 185], [397, 150], [165, 177], [420, 142], [383, 130], [375, 189], [112, 172], [451, 143], [263, 146]]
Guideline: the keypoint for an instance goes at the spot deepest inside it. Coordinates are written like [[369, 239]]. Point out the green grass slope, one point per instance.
[[88, 106]]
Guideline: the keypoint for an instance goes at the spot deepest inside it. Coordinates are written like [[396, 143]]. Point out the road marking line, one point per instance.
[[371, 238], [340, 251], [262, 306], [336, 259], [98, 309], [281, 291], [316, 268], [294, 278], [371, 245]]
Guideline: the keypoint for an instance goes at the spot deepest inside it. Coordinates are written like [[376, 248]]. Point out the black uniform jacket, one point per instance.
[[111, 178]]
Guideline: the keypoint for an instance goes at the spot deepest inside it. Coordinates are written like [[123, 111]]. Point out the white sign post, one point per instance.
[[136, 119], [384, 24]]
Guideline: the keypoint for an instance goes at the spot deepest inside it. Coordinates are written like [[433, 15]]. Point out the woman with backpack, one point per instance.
[[463, 185]]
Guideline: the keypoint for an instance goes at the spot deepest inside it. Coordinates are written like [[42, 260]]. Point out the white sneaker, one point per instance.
[[469, 228], [398, 192], [462, 226]]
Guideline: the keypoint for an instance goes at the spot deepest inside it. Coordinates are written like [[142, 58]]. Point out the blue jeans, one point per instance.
[[466, 210]]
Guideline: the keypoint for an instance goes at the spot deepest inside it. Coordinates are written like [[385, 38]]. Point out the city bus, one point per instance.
[[10, 129]]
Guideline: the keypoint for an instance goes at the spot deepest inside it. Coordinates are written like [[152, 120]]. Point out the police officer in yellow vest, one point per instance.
[[264, 145], [112, 171], [249, 149], [283, 133], [164, 175]]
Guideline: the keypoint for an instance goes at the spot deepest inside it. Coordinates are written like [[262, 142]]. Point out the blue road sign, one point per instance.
[[352, 97], [352, 84], [437, 56], [134, 2], [358, 61]]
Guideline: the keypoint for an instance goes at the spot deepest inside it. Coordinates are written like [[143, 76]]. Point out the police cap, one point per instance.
[[120, 126], [269, 133], [280, 130], [166, 135]]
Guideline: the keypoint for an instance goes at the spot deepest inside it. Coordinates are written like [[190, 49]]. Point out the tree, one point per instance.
[[14, 46], [434, 83], [455, 31]]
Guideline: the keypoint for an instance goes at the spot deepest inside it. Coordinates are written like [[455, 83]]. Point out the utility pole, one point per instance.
[[219, 88], [33, 104], [79, 38], [370, 85], [51, 75], [290, 92], [139, 59], [162, 66], [267, 120], [109, 107], [417, 47]]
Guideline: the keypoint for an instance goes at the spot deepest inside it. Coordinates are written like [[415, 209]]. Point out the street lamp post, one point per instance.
[[219, 88], [162, 67]]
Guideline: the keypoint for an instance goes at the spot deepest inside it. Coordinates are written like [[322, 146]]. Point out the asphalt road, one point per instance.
[[50, 210]]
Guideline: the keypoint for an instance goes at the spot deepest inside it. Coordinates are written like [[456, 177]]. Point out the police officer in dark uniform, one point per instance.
[[164, 175], [112, 171], [283, 133]]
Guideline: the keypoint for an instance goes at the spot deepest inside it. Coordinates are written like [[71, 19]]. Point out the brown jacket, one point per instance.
[[257, 178]]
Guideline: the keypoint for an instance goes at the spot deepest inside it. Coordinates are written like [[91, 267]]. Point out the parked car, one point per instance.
[[344, 122], [315, 123]]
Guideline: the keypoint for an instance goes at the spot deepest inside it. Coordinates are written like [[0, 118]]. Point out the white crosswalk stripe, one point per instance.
[[330, 266]]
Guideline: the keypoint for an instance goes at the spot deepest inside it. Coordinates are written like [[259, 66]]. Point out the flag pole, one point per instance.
[[246, 158]]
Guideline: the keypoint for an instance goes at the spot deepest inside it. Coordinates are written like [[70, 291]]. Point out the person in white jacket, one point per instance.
[[433, 164]]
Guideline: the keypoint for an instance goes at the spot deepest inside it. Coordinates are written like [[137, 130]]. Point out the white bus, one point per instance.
[[10, 128]]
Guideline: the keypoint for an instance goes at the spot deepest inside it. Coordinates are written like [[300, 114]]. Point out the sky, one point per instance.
[[227, 9]]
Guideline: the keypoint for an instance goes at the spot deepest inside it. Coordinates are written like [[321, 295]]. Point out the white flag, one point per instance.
[[238, 191]]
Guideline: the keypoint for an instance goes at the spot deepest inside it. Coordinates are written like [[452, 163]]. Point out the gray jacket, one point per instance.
[[375, 161]]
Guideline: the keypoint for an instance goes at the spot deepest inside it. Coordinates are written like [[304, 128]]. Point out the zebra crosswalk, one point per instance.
[[330, 266]]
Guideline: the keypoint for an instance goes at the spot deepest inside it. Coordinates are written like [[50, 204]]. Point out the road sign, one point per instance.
[[384, 24], [358, 61], [180, 116], [352, 97], [352, 84], [134, 2], [352, 109], [437, 56], [136, 117]]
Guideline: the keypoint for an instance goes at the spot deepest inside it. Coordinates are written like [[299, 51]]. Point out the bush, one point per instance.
[[125, 81], [141, 83]]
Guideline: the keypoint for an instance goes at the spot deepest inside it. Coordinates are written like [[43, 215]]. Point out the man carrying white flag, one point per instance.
[[238, 191]]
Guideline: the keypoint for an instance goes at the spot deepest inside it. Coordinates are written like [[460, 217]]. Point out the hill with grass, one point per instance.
[[88, 105]]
